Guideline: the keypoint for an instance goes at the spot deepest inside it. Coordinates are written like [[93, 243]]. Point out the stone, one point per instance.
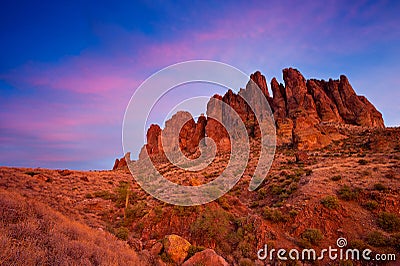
[[176, 248], [156, 249], [207, 257]]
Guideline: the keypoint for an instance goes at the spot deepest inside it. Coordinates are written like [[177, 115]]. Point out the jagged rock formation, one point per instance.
[[122, 163], [306, 114], [302, 108]]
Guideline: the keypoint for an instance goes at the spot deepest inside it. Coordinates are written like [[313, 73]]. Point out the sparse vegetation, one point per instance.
[[104, 194], [310, 237], [377, 239], [348, 193], [32, 173], [380, 187], [371, 205], [274, 215], [388, 221], [362, 162], [122, 233], [33, 234], [330, 202], [336, 177]]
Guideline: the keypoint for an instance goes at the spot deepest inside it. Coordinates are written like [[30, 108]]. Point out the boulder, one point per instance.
[[176, 248], [207, 257]]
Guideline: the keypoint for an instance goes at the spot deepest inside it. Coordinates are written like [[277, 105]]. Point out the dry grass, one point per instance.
[[33, 234]]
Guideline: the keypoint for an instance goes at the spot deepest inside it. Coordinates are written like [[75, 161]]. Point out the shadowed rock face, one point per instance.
[[302, 109]]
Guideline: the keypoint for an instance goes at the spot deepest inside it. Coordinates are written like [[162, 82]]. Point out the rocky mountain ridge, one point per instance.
[[306, 114]]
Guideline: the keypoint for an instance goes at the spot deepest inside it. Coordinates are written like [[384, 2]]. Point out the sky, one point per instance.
[[68, 70]]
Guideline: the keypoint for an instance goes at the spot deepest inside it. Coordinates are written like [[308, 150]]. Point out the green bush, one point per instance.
[[122, 233], [276, 190], [312, 235], [380, 187], [336, 178], [388, 221], [347, 193], [104, 194], [371, 205], [330, 202], [137, 210], [121, 192], [376, 239], [363, 162], [89, 196], [32, 173], [212, 224], [274, 215]]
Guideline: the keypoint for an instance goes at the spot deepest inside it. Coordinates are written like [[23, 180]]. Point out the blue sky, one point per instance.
[[68, 70]]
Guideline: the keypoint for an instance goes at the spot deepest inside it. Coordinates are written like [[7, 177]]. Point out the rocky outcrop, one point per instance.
[[261, 82], [180, 132], [122, 163], [153, 145], [304, 112], [310, 104]]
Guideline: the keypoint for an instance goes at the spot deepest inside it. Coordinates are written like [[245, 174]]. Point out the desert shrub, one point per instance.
[[308, 172], [41, 236], [104, 194], [380, 187], [121, 192], [348, 193], [310, 237], [32, 173], [293, 213], [276, 190], [371, 205], [89, 196], [212, 224], [223, 202], [336, 178], [330, 202], [274, 215], [358, 244], [376, 239], [165, 258], [184, 210], [122, 233], [362, 162], [136, 211], [388, 221], [245, 248]]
